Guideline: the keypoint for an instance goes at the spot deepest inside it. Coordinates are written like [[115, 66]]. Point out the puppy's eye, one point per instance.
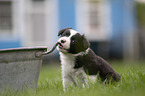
[[73, 41]]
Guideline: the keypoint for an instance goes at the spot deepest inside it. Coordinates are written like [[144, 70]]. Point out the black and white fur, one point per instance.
[[78, 60]]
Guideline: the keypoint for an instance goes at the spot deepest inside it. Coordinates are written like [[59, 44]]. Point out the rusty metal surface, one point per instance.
[[19, 67]]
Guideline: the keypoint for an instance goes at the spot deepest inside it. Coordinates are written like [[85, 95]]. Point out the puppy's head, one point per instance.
[[71, 41]]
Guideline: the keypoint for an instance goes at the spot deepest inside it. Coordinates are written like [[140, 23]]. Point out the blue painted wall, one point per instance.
[[116, 46], [9, 44], [67, 17], [122, 16]]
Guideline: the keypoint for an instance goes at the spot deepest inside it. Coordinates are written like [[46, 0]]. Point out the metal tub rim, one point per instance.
[[24, 49]]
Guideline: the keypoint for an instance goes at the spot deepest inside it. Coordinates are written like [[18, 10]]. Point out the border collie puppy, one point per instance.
[[78, 60]]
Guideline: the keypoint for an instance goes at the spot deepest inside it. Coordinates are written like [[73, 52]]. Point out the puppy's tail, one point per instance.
[[117, 77]]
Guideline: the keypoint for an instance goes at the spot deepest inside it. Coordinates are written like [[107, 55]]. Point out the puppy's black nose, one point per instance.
[[63, 41]]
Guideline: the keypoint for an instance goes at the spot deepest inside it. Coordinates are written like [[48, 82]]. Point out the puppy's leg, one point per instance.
[[82, 78], [67, 81]]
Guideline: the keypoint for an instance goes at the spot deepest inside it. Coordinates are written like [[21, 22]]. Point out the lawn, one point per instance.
[[133, 83]]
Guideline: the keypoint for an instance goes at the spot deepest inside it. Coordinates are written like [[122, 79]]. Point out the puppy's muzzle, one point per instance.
[[60, 45], [62, 41]]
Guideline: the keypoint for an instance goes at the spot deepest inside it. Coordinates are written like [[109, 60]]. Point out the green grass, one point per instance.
[[133, 83]]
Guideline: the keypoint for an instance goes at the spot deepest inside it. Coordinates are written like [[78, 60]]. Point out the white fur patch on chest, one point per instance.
[[68, 62], [69, 73]]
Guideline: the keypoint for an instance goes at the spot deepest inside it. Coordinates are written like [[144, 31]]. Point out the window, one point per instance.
[[97, 17], [93, 18], [94, 13], [5, 15]]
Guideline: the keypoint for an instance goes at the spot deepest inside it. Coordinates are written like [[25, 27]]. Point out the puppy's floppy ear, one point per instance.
[[62, 31], [86, 43]]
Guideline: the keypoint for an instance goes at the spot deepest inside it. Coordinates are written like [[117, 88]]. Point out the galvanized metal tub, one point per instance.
[[20, 67]]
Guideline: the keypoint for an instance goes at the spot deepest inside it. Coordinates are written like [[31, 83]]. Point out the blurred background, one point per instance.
[[115, 28]]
